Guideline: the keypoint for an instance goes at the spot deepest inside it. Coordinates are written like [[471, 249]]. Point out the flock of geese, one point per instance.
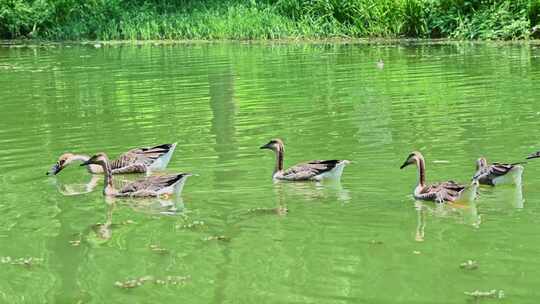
[[149, 159]]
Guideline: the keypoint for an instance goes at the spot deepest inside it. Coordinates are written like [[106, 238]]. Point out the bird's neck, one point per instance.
[[108, 178], [421, 172], [81, 157], [279, 159], [93, 169]]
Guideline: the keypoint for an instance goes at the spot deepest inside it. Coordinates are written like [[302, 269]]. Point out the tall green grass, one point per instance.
[[268, 19]]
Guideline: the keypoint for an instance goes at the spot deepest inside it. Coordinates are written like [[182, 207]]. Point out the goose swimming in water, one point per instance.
[[534, 155], [315, 170], [138, 160], [448, 191], [497, 173], [152, 186]]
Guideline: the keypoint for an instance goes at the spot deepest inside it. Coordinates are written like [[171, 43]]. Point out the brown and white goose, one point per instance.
[[448, 191], [315, 170], [152, 186], [497, 173], [138, 160]]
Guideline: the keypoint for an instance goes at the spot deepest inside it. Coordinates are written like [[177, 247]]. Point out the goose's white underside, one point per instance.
[[512, 177], [334, 174], [175, 188], [469, 194], [162, 162]]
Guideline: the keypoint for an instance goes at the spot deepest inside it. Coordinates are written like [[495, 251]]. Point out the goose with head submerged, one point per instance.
[[315, 170], [448, 191], [497, 173], [152, 186], [138, 160]]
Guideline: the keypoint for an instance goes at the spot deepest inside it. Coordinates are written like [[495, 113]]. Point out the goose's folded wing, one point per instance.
[[498, 169], [446, 191], [153, 153], [145, 155], [133, 168], [152, 183], [125, 160], [309, 170]]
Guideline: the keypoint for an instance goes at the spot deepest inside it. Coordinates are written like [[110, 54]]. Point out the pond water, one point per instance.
[[228, 239]]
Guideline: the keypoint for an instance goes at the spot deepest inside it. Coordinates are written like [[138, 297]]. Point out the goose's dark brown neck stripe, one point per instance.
[[421, 170], [279, 158], [107, 173]]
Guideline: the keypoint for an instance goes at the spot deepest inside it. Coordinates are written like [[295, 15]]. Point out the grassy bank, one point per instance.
[[268, 19]]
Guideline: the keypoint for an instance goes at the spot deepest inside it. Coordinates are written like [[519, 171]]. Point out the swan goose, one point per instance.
[[151, 186], [138, 160], [315, 170], [448, 191], [497, 173]]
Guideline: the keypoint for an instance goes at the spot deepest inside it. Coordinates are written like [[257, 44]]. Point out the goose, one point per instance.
[[315, 170], [138, 160], [497, 173], [448, 191], [151, 186], [534, 155]]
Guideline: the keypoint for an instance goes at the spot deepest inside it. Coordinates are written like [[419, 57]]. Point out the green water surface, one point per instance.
[[363, 240]]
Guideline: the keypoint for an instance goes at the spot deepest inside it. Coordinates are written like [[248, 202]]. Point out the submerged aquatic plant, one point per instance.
[[138, 282], [157, 249], [281, 210], [193, 225], [27, 261], [469, 265], [218, 238], [494, 293]]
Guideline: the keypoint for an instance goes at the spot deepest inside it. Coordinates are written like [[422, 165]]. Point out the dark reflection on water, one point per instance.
[[239, 236]]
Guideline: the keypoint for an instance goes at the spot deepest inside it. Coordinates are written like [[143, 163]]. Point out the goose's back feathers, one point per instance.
[[139, 160], [440, 192], [313, 170], [154, 185], [489, 175]]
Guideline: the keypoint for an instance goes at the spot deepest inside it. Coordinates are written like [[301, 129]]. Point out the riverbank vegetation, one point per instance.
[[268, 19]]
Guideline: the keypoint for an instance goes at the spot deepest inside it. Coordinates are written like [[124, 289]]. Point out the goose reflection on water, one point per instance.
[[511, 194], [465, 213], [73, 189], [314, 190], [151, 206]]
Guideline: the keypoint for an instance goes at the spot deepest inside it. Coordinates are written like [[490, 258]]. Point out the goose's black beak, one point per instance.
[[54, 169], [534, 155], [267, 146], [405, 164]]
